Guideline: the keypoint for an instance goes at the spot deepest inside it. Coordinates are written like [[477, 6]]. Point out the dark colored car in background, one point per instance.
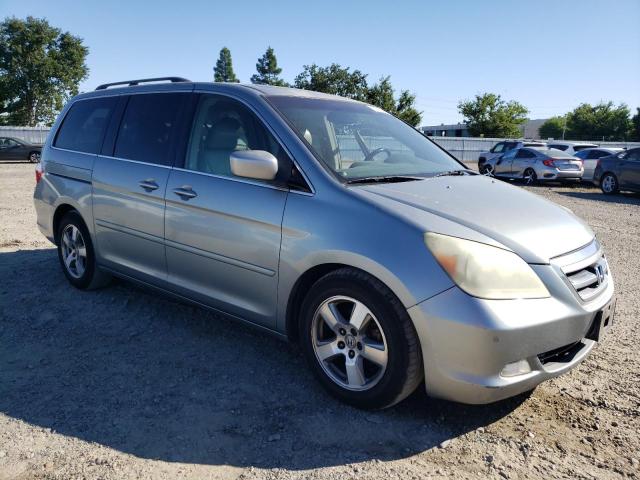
[[15, 149], [619, 172]]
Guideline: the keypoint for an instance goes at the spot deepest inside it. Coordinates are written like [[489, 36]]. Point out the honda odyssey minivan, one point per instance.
[[329, 223]]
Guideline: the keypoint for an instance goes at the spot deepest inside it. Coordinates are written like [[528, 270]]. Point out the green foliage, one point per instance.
[[635, 127], [600, 122], [223, 71], [553, 128], [338, 80], [333, 79], [40, 69], [268, 70], [490, 116]]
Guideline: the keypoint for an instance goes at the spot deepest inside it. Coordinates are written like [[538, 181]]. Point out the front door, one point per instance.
[[630, 170], [223, 232], [129, 187], [503, 164]]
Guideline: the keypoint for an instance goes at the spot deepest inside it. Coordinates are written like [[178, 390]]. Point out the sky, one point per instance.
[[550, 55]]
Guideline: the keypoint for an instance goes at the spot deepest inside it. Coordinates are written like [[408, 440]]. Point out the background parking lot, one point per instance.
[[119, 383]]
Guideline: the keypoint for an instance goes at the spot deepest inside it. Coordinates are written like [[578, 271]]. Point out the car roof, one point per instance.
[[221, 87], [571, 144]]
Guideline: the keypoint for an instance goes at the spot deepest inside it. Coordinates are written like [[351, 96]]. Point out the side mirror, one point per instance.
[[256, 164]]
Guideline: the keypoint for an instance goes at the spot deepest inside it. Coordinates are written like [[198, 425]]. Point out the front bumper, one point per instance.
[[467, 342]]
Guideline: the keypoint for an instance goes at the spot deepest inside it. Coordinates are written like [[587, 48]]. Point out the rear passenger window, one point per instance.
[[149, 126], [84, 125]]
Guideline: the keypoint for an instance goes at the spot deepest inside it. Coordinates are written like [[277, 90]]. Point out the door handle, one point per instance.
[[185, 192], [149, 184]]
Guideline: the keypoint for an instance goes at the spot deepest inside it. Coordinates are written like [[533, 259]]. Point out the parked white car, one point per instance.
[[590, 157], [570, 147], [501, 148]]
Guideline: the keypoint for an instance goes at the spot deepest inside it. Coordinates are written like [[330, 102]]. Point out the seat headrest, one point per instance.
[[223, 135]]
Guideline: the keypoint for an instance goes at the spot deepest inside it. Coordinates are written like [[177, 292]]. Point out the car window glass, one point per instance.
[[525, 154], [633, 155], [83, 127], [148, 127], [509, 155], [498, 148], [222, 126]]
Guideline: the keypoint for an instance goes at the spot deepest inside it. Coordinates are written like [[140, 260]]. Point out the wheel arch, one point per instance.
[[302, 286], [60, 211]]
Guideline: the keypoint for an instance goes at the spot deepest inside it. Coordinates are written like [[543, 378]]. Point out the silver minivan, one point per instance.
[[329, 223]]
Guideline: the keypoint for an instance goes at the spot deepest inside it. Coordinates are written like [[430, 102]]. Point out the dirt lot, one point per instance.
[[119, 384]]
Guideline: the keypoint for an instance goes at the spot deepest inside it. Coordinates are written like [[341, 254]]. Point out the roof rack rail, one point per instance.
[[132, 83]]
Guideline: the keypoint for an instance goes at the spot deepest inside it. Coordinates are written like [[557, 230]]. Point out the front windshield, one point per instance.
[[359, 141]]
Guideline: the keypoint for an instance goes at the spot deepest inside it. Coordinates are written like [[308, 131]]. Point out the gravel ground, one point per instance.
[[119, 384]]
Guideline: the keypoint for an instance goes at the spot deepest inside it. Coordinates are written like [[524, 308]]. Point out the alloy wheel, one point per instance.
[[349, 343], [34, 157], [608, 184], [530, 176], [74, 251]]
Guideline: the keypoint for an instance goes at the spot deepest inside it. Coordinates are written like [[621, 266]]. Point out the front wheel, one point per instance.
[[34, 157], [609, 184], [359, 340]]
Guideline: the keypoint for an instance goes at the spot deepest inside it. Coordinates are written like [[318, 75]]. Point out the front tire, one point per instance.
[[34, 157], [359, 340], [76, 254], [609, 184]]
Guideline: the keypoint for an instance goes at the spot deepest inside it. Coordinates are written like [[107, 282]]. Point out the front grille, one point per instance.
[[589, 280]]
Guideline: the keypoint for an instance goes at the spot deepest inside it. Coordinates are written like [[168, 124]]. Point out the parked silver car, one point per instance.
[[535, 163], [328, 222], [590, 157], [501, 148]]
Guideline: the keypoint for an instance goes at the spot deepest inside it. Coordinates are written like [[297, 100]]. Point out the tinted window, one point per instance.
[[584, 154], [222, 126], [633, 155], [577, 148], [510, 145], [525, 154], [84, 125], [498, 148], [559, 147], [149, 126], [534, 144]]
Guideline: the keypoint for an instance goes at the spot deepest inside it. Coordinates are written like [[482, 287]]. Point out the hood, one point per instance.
[[533, 227]]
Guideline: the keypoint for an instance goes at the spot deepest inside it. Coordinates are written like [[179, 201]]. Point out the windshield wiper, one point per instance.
[[384, 179], [453, 173]]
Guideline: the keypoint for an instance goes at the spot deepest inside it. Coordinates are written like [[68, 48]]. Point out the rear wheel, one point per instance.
[[34, 157], [530, 177], [76, 254], [609, 184], [359, 340]]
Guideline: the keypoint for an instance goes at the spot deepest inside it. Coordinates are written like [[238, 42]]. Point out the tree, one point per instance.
[[599, 122], [490, 116], [338, 80], [223, 71], [382, 95], [333, 79], [268, 70], [40, 69], [553, 128], [635, 127]]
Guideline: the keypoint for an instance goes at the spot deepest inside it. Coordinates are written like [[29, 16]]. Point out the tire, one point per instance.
[[74, 244], [487, 170], [386, 334], [34, 157], [609, 184], [529, 176]]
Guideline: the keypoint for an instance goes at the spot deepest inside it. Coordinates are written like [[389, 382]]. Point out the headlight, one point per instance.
[[485, 271]]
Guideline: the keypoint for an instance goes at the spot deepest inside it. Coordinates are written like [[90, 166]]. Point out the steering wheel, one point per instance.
[[375, 152]]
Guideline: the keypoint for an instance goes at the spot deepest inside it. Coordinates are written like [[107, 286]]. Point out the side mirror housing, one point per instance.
[[256, 164]]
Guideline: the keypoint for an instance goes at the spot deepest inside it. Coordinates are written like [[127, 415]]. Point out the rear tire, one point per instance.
[[370, 359], [530, 177], [609, 184], [76, 254]]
